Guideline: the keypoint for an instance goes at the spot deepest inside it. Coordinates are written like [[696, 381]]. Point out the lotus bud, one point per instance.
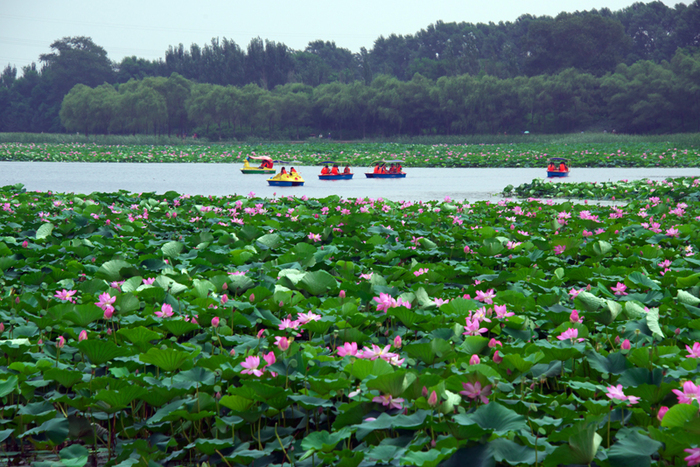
[[677, 331], [60, 342], [224, 299], [260, 333], [626, 345], [225, 286], [497, 358], [2, 327], [218, 395], [252, 297], [662, 412], [109, 331], [424, 392], [232, 352], [397, 342], [432, 400], [281, 303], [83, 335], [617, 340], [25, 244], [282, 343], [475, 360], [215, 320], [341, 294]]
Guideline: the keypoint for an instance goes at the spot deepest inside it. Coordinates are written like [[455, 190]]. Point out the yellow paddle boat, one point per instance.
[[284, 178], [265, 167]]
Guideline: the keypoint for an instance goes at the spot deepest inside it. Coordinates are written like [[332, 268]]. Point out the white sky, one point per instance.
[[146, 28]]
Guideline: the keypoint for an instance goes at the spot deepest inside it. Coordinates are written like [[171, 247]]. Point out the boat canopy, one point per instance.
[[388, 161]]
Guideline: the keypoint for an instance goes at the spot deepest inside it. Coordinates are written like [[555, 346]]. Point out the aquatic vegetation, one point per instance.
[[227, 330]]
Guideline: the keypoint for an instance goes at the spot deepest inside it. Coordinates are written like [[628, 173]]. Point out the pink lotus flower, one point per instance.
[[166, 311], [626, 345], [304, 318], [694, 457], [224, 298], [615, 392], [375, 352], [348, 348], [474, 391], [366, 276], [493, 343], [388, 400], [149, 281], [25, 244], [439, 302], [574, 317], [573, 293], [66, 295], [486, 297], [474, 360], [60, 342], [82, 336], [690, 393], [662, 412], [420, 272], [497, 358], [559, 249], [694, 352], [571, 333], [472, 328], [672, 232], [105, 299], [287, 323], [251, 366], [269, 358], [398, 342], [215, 321], [432, 400], [619, 289], [341, 294], [282, 343], [314, 237], [384, 302], [108, 311], [501, 312]]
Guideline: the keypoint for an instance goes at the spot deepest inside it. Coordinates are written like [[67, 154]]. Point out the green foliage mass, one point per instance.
[[167, 328]]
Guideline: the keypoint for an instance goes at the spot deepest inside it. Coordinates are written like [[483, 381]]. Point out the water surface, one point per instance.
[[225, 179]]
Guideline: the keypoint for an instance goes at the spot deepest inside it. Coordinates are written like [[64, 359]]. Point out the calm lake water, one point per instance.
[[225, 179]]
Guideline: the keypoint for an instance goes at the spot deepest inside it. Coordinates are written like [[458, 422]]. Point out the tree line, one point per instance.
[[518, 54], [645, 97]]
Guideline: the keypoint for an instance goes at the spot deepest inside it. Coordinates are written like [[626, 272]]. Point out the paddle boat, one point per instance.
[[557, 167], [335, 172], [266, 167], [381, 171], [284, 178]]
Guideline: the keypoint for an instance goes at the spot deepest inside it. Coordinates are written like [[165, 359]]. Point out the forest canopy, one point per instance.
[[632, 70]]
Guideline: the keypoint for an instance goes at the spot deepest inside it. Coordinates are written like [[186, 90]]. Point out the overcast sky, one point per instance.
[[145, 28]]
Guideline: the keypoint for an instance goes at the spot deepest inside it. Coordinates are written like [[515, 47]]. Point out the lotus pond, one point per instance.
[[167, 329], [608, 154]]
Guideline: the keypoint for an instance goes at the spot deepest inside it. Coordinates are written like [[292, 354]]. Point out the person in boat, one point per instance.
[[334, 170], [551, 167], [266, 164], [347, 170], [377, 168], [293, 170], [398, 168], [283, 171], [562, 167], [325, 170], [382, 168]]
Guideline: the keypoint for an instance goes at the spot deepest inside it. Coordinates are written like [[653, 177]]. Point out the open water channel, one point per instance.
[[224, 179]]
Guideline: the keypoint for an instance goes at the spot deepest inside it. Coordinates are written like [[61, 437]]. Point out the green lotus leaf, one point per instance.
[[430, 352], [633, 449], [361, 369], [100, 351], [392, 383], [172, 248], [55, 429], [687, 298], [66, 378], [111, 270], [83, 315], [8, 385], [582, 446], [169, 285], [140, 336], [385, 421], [586, 301], [44, 231], [318, 282], [236, 403], [166, 359], [643, 280], [678, 415], [652, 320]]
